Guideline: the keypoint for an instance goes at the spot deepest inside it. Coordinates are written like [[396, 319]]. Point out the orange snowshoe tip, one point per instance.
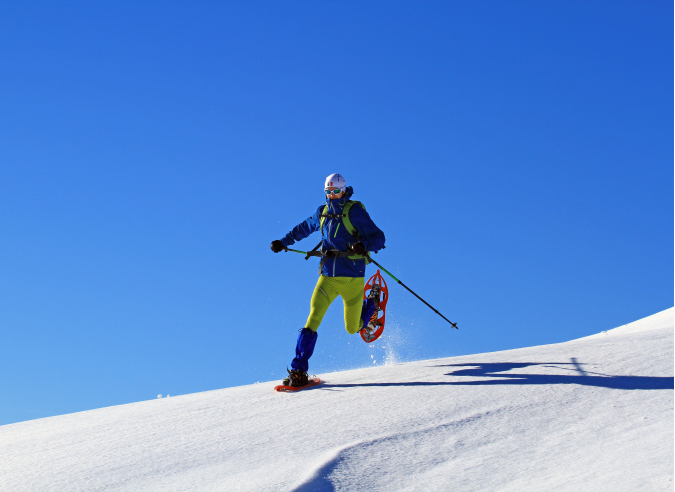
[[376, 289]]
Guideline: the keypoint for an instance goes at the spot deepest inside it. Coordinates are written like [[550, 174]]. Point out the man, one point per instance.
[[342, 269]]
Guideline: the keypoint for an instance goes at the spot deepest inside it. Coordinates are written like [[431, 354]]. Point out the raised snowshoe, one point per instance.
[[375, 294]]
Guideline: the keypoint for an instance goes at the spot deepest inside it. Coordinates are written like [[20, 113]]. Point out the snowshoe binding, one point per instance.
[[296, 378], [296, 381]]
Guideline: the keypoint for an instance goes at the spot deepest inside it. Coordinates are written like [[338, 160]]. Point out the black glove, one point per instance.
[[277, 246], [358, 248]]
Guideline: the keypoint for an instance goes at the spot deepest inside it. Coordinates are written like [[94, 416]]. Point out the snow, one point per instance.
[[590, 414]]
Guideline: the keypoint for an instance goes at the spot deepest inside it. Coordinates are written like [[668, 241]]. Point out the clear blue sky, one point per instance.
[[517, 155]]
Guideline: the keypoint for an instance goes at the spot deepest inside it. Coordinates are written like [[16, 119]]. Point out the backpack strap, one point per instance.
[[345, 215], [352, 230], [347, 223], [323, 215]]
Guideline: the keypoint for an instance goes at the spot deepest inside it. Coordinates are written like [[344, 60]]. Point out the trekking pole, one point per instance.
[[454, 325], [315, 248]]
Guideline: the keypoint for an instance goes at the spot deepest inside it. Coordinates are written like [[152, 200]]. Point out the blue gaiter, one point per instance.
[[367, 311], [304, 349]]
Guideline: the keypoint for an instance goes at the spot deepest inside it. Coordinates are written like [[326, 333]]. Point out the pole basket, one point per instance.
[[376, 289]]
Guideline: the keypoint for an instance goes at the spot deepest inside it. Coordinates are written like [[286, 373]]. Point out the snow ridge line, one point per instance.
[[317, 479]]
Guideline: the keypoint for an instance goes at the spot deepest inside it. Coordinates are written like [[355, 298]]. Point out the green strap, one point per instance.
[[350, 227], [323, 219], [345, 218]]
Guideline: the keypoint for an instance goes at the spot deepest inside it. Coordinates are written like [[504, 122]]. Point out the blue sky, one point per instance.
[[517, 155]]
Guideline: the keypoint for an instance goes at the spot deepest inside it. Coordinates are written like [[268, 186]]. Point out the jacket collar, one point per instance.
[[349, 191]]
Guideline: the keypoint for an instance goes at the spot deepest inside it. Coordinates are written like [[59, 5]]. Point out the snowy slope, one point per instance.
[[592, 414]]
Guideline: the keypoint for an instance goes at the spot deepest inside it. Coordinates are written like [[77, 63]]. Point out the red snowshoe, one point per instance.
[[375, 289], [313, 381]]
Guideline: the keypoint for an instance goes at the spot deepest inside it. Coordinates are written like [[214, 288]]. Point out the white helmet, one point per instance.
[[336, 181]]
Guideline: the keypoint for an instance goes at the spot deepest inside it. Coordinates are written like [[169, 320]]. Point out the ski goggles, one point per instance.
[[334, 192]]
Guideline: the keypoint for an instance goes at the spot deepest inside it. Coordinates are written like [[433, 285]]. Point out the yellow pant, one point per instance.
[[325, 292]]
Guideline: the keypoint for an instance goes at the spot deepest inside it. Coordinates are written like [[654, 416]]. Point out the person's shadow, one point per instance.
[[500, 373]]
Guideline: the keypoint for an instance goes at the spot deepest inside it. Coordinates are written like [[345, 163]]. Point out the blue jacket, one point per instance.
[[335, 236]]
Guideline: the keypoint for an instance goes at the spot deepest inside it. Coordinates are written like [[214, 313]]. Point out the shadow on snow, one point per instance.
[[499, 373]]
